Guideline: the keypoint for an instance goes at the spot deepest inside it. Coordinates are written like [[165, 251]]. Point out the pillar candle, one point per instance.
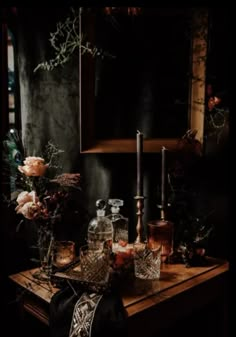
[[139, 163]]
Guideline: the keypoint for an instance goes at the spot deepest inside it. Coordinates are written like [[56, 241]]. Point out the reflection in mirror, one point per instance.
[[142, 83], [10, 107], [142, 86], [11, 78], [14, 119]]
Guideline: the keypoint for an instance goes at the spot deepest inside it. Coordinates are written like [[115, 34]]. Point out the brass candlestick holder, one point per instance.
[[139, 227]]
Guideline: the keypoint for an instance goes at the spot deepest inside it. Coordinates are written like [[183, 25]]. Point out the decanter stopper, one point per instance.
[[115, 205], [101, 207]]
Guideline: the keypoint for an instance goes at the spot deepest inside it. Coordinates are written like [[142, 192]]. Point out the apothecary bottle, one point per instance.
[[120, 224], [100, 228]]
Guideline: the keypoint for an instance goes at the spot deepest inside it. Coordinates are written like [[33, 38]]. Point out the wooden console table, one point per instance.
[[152, 306]]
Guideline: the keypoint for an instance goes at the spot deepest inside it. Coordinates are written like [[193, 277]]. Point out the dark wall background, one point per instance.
[[50, 111]]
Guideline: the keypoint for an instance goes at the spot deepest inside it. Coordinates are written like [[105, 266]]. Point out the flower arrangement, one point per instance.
[[40, 193], [43, 201], [39, 196], [192, 220]]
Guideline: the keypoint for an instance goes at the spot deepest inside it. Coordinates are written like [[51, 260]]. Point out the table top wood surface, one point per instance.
[[140, 294]]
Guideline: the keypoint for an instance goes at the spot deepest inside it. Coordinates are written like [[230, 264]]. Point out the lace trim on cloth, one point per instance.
[[83, 315]]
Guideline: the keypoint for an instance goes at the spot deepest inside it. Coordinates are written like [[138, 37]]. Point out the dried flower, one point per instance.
[[67, 179]]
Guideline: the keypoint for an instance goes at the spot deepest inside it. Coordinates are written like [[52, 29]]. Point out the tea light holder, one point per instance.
[[63, 253]]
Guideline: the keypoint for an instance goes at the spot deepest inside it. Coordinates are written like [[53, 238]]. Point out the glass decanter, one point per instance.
[[120, 224], [100, 228]]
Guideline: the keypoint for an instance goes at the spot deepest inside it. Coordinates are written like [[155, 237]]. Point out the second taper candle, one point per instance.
[[139, 138], [163, 177]]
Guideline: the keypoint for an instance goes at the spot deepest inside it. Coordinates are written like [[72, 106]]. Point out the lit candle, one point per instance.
[[64, 253], [163, 176], [139, 163], [63, 258]]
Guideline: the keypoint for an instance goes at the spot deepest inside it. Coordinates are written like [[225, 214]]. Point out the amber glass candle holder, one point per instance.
[[160, 234], [63, 253]]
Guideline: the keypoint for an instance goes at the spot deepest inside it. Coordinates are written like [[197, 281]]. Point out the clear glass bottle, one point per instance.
[[100, 228], [120, 224]]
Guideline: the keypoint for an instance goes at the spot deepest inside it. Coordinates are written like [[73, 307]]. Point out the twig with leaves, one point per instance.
[[66, 39]]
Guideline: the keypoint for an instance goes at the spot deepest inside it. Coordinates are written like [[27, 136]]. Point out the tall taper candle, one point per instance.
[[139, 163], [163, 177]]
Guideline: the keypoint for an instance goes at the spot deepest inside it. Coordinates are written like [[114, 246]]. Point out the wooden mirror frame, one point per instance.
[[88, 142]]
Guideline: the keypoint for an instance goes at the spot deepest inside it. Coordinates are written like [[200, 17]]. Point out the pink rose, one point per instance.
[[34, 166], [25, 196], [29, 210]]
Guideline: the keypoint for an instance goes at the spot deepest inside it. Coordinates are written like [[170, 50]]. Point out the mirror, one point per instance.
[[9, 73], [151, 78]]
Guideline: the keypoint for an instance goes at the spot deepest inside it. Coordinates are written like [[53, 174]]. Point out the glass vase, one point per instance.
[[45, 250]]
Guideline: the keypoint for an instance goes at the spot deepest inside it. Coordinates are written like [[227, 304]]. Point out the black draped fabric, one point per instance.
[[109, 317]]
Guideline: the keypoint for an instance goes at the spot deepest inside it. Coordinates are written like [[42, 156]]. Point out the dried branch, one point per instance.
[[66, 39]]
